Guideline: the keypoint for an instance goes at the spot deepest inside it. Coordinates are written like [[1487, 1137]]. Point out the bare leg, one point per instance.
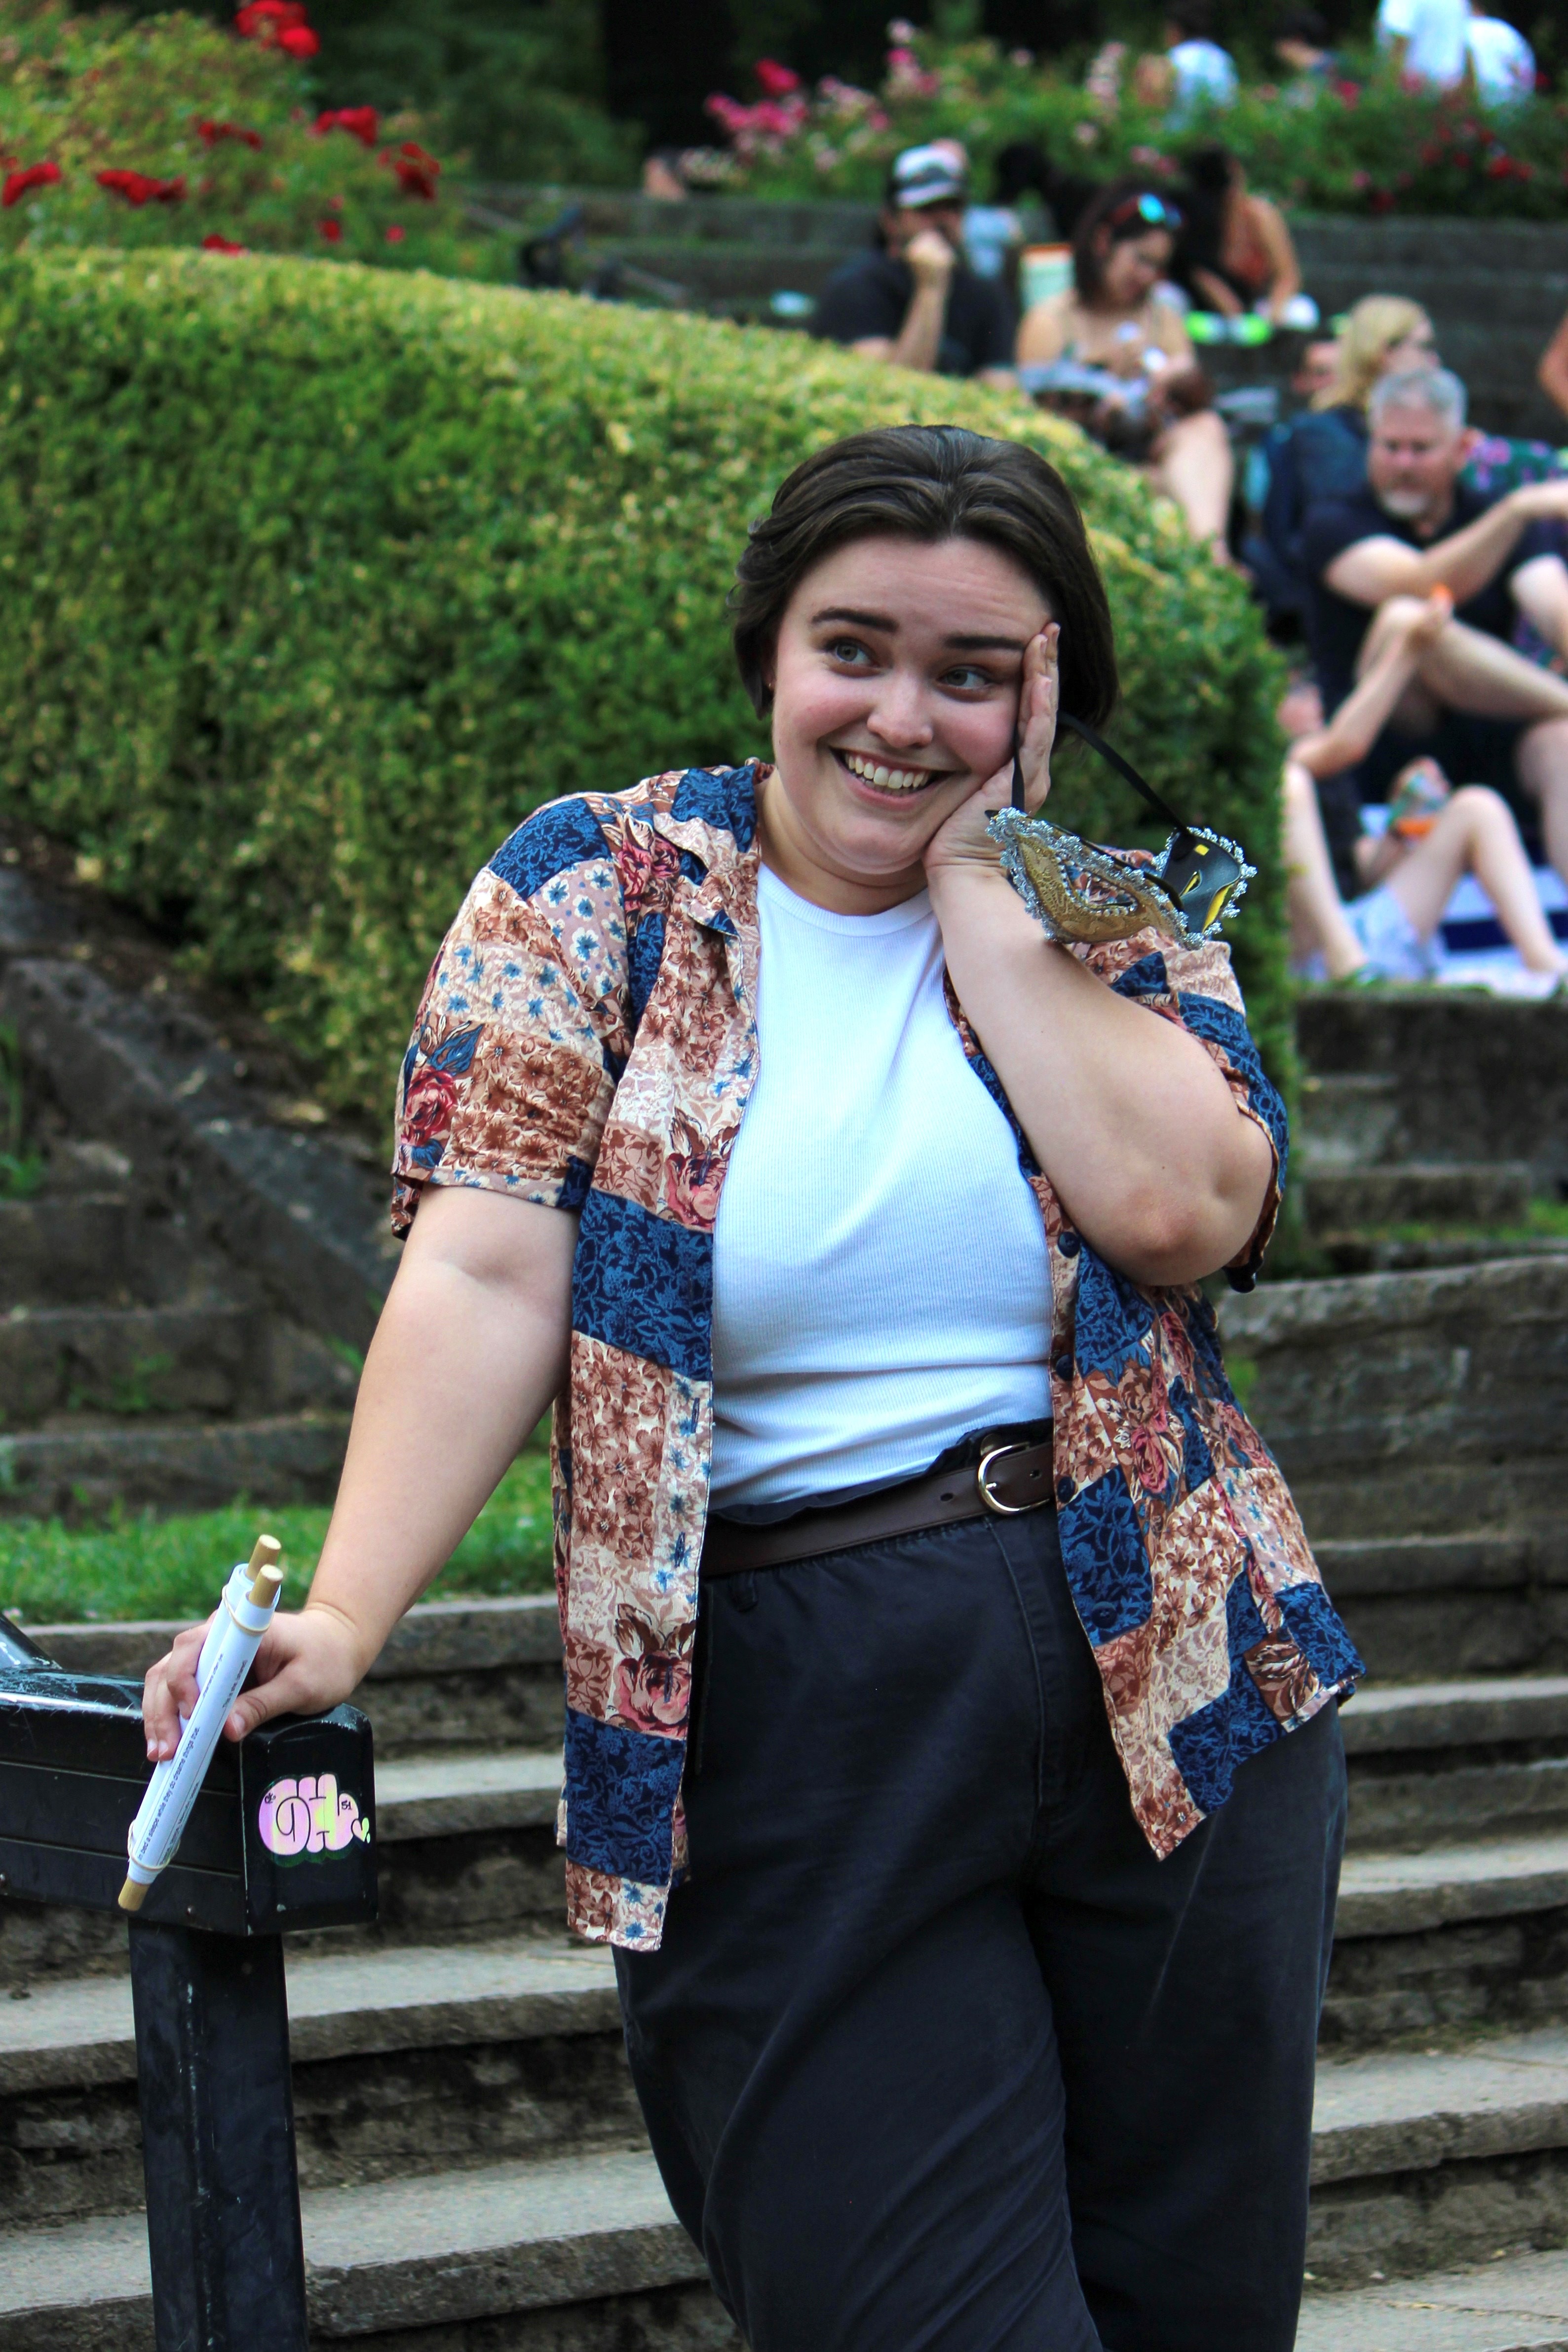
[[1463, 669], [1317, 912], [1194, 468], [1541, 763], [1475, 833]]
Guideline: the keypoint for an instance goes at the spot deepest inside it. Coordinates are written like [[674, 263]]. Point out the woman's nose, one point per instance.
[[902, 715]]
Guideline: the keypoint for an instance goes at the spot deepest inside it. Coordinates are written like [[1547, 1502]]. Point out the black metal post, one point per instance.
[[218, 2134]]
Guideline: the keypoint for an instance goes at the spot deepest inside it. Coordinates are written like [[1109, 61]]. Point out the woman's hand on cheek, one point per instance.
[[962, 839]]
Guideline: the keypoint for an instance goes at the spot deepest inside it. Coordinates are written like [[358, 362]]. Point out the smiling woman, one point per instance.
[[934, 1617]]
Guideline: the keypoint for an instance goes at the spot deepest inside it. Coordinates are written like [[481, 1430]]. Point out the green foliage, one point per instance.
[[139, 1565], [21, 1170], [517, 92], [319, 579], [1360, 144], [95, 93]]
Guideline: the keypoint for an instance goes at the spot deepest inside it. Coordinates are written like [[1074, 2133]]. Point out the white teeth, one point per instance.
[[894, 780]]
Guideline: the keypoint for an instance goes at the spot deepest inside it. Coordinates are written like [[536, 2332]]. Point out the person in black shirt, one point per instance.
[[915, 302], [1478, 707]]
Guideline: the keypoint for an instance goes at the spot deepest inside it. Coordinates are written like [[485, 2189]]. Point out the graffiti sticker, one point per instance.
[[308, 1816]]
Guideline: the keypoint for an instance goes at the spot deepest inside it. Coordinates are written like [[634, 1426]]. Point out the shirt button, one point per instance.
[[1066, 1243], [1065, 1490], [1062, 1368]]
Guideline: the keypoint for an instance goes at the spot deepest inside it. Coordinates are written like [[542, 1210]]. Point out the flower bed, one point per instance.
[[319, 579], [1358, 144], [173, 131]]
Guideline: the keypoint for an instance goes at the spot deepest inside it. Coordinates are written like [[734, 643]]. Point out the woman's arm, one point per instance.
[[1128, 1114], [1042, 332], [1273, 234], [470, 1348], [1551, 374]]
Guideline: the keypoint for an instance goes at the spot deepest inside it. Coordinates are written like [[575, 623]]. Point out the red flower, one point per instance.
[[140, 188], [209, 133], [417, 171], [213, 243], [395, 235], [777, 81], [37, 175], [298, 41], [264, 20], [360, 122], [332, 230], [427, 1104]]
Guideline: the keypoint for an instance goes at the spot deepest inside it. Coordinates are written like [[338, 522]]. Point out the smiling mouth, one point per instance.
[[884, 779]]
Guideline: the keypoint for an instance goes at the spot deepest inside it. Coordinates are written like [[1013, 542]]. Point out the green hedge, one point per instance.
[[317, 579]]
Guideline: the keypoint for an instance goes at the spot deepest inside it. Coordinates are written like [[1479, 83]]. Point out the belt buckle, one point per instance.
[[993, 1502]]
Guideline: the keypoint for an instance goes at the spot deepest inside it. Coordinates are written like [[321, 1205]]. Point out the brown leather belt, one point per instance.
[[1006, 1480]]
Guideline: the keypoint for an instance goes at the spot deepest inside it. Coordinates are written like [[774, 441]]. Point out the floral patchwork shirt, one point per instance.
[[588, 1041]]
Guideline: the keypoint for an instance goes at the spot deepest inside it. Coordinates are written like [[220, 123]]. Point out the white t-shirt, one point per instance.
[[881, 1281], [1203, 70], [1438, 35], [1504, 61]]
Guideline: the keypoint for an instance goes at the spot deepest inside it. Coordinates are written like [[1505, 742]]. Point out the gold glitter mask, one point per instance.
[[1079, 892]]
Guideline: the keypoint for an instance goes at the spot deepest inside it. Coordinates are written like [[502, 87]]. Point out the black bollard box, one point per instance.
[[281, 1836]]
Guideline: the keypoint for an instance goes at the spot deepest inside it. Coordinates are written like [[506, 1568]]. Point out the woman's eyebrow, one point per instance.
[[857, 620], [984, 644]]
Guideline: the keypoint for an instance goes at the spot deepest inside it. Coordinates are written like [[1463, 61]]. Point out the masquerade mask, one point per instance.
[[1077, 892]]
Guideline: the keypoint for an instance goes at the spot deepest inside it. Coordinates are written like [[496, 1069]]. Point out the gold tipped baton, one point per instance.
[[250, 1598]]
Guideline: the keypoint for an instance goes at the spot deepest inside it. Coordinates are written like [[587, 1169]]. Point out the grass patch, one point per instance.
[[139, 1565]]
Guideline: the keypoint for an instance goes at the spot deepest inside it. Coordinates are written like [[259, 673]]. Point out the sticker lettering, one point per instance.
[[300, 1818]]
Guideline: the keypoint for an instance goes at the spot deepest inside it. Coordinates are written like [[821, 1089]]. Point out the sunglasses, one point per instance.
[[1152, 210]]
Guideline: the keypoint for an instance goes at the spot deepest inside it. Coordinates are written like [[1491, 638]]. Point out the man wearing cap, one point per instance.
[[914, 301]]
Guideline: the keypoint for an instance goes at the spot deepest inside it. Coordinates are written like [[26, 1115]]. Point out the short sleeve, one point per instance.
[[1197, 987], [510, 1072]]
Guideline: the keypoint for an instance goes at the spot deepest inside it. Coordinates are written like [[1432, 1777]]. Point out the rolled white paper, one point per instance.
[[250, 1598]]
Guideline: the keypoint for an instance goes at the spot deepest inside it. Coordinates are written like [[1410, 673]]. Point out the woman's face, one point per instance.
[[895, 687], [1133, 269], [1418, 349]]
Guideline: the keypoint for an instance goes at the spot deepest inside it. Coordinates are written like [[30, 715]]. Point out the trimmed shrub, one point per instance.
[[317, 579]]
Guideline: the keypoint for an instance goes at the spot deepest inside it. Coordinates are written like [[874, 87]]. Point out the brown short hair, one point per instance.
[[929, 483]]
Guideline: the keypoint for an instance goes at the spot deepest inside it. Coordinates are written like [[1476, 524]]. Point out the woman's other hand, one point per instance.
[[963, 839], [308, 1661]]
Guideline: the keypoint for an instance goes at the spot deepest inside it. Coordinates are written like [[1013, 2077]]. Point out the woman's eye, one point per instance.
[[846, 649], [967, 679]]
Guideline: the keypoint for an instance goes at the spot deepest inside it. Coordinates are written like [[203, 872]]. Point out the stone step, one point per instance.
[[1475, 1078], [1419, 1192], [1425, 2155], [1518, 2303], [1430, 1607], [1447, 1764], [404, 2062], [123, 1360], [585, 2243], [1464, 1937], [82, 1471], [65, 1250], [1376, 1373], [1345, 1120]]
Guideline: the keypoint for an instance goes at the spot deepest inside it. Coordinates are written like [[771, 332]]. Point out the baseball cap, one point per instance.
[[925, 176]]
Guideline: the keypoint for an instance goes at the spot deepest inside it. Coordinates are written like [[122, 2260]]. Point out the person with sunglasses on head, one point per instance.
[[1113, 321], [913, 301]]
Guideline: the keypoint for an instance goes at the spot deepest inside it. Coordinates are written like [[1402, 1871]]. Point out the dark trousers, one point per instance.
[[935, 2054]]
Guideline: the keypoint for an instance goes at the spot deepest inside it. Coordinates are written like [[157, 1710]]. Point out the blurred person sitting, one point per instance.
[[1474, 704], [914, 301], [1551, 374], [1321, 455], [1235, 252], [1122, 346], [1195, 72], [1048, 201], [1300, 45], [1501, 60], [1405, 872], [1426, 42]]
